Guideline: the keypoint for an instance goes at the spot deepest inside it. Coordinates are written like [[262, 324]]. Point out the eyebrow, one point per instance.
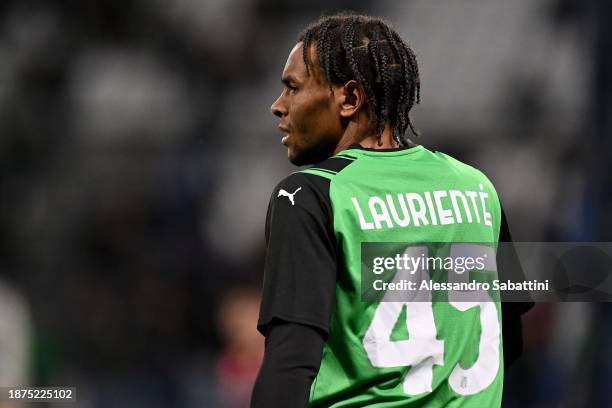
[[289, 78]]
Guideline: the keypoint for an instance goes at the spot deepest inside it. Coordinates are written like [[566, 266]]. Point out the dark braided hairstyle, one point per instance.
[[366, 49]]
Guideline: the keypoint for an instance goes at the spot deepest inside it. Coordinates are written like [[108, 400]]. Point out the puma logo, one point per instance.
[[284, 193]]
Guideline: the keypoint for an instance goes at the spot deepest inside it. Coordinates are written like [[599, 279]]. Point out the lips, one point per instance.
[[284, 130]]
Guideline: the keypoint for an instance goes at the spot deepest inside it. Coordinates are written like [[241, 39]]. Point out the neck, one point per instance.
[[366, 137]]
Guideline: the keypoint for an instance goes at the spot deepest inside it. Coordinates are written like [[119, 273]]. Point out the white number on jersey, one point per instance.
[[422, 350]]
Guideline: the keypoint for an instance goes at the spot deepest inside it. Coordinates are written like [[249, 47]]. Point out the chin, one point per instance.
[[300, 158], [307, 156], [296, 159]]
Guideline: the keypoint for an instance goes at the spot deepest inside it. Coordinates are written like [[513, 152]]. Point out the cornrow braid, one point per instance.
[[348, 40], [306, 45], [415, 90], [323, 48], [400, 117], [373, 52], [366, 49], [384, 70]]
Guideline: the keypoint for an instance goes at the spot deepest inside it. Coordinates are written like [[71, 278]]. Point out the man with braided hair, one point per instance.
[[348, 87]]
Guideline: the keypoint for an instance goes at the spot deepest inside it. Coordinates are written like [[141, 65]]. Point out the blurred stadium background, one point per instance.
[[138, 152]]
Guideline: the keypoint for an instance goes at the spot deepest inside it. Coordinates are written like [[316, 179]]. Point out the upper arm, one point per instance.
[[509, 267], [300, 262]]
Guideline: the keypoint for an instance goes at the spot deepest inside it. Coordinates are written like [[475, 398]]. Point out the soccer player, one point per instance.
[[349, 85]]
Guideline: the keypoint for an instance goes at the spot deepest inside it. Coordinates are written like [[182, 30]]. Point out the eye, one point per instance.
[[292, 89]]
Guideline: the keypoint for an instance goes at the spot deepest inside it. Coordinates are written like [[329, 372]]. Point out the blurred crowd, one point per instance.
[[138, 152]]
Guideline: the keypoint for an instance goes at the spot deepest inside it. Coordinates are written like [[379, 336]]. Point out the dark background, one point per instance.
[[138, 152]]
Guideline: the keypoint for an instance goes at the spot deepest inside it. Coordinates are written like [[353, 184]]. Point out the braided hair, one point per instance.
[[366, 49]]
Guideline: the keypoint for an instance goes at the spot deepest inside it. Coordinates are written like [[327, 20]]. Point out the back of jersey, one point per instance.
[[390, 352]]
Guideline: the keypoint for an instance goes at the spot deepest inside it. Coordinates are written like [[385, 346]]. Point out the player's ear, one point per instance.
[[352, 97]]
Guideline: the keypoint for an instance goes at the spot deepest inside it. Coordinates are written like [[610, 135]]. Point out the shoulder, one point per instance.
[[299, 197], [300, 189], [467, 170], [312, 182], [332, 166]]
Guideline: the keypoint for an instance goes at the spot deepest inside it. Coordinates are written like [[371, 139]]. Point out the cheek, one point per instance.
[[316, 118]]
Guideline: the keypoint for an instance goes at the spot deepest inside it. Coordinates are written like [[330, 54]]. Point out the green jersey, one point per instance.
[[381, 352]]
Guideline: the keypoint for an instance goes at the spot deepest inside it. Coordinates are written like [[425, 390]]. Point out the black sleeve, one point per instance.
[[291, 361], [510, 268], [300, 264]]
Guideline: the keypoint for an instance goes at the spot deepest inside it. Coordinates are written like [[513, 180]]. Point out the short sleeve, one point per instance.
[[300, 263], [509, 267]]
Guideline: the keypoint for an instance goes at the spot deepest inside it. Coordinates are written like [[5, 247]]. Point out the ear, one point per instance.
[[352, 98]]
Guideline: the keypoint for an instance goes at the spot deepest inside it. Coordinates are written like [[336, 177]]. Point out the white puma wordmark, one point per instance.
[[284, 193]]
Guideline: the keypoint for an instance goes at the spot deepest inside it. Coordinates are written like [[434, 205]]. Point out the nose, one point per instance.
[[278, 108]]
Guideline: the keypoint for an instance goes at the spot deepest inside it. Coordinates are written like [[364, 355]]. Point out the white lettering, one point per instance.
[[453, 196], [487, 215], [473, 195], [379, 216], [362, 222], [430, 206], [402, 222], [417, 215], [446, 216]]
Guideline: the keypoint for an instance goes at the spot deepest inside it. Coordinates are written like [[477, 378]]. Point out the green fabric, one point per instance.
[[347, 377]]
